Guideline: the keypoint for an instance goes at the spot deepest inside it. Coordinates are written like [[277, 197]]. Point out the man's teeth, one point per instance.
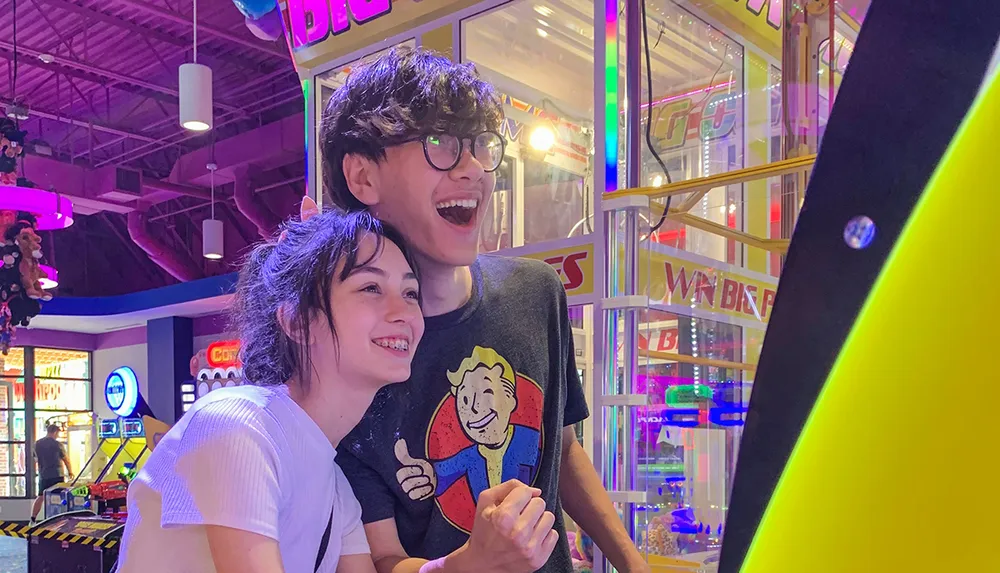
[[464, 203], [393, 343]]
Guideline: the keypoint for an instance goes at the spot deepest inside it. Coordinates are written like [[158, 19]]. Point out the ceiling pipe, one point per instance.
[[177, 264], [252, 207], [167, 187]]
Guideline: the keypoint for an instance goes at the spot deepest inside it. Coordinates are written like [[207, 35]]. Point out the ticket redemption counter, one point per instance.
[[727, 81]]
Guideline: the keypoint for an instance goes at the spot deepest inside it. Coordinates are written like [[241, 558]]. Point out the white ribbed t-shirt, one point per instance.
[[248, 458]]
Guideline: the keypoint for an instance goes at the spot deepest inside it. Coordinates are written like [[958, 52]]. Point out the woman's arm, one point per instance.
[[238, 551], [356, 564]]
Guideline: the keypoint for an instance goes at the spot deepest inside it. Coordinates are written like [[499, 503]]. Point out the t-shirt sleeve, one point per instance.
[[353, 540], [372, 493], [226, 472], [576, 409]]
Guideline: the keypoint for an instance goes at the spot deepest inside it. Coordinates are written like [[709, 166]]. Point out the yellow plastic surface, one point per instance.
[[896, 468]]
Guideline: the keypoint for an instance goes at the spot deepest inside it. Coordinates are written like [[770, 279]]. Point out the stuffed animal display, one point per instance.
[[20, 274]]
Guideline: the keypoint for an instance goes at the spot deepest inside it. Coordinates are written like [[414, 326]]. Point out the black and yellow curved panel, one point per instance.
[[871, 443]]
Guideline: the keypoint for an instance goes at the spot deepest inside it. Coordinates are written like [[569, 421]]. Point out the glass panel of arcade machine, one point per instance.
[[540, 58], [697, 119], [710, 296], [498, 220]]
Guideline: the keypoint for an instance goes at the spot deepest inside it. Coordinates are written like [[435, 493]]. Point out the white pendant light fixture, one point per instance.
[[195, 89], [212, 230]]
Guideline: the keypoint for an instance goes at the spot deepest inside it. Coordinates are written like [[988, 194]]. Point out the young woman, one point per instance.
[[246, 481]]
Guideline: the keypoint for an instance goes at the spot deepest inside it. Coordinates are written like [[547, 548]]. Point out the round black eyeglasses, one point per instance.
[[444, 151]]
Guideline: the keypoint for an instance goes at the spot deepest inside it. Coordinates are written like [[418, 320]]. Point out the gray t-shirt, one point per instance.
[[49, 453], [492, 386]]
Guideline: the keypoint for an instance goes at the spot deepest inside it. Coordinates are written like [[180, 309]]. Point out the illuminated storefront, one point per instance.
[[740, 94], [62, 396]]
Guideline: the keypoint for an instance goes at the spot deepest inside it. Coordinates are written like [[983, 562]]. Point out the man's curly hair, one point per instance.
[[403, 94]]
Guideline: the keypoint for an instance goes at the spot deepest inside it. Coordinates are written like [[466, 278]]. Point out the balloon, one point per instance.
[[254, 9], [267, 28]]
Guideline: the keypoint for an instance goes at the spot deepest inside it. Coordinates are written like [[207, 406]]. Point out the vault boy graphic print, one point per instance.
[[486, 431]]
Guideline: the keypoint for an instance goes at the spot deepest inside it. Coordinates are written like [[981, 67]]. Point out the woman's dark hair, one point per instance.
[[292, 277], [404, 93]]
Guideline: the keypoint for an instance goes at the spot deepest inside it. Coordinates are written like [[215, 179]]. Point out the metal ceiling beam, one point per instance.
[[252, 84], [80, 123], [74, 73], [145, 150], [145, 32], [149, 8], [109, 74]]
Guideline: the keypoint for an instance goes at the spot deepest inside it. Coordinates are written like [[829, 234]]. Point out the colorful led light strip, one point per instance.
[[307, 115], [610, 95]]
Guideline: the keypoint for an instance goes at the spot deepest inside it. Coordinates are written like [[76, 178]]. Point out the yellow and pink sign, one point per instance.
[[688, 284], [675, 281]]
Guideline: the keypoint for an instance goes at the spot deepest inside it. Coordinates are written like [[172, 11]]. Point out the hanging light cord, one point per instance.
[[213, 194], [194, 20]]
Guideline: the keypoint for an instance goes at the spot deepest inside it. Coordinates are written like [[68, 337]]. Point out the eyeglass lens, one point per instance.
[[444, 150]]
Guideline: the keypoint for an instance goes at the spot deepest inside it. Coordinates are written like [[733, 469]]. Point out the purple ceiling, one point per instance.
[[107, 99]]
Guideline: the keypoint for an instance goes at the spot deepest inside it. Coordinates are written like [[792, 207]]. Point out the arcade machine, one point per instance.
[[84, 521], [833, 471]]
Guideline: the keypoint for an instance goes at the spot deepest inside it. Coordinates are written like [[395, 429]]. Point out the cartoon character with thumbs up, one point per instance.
[[485, 396], [416, 477]]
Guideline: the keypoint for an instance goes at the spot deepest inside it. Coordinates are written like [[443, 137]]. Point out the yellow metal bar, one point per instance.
[[779, 246], [700, 361], [774, 169]]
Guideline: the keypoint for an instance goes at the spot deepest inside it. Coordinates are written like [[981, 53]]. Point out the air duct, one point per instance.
[[252, 207], [179, 265]]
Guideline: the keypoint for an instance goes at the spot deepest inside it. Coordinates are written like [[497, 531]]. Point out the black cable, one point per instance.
[[649, 114], [13, 87]]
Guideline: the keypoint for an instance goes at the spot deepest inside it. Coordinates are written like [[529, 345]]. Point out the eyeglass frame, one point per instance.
[[461, 149]]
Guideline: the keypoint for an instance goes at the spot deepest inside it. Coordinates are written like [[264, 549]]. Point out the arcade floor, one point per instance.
[[13, 555]]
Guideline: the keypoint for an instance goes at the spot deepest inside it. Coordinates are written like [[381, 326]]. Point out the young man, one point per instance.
[[50, 457], [443, 463]]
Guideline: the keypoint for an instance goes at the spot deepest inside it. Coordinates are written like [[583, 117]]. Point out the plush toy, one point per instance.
[[11, 147], [29, 245]]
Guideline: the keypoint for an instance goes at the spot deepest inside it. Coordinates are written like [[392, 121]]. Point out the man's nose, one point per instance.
[[468, 166]]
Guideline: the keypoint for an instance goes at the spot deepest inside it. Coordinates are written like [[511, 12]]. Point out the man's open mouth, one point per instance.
[[458, 212], [482, 422]]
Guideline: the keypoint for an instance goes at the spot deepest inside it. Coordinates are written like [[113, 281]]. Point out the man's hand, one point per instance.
[[416, 477], [512, 532]]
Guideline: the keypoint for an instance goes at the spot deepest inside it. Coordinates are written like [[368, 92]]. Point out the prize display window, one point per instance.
[[62, 396], [540, 58]]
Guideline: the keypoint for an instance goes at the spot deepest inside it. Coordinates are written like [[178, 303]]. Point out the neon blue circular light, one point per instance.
[[121, 391]]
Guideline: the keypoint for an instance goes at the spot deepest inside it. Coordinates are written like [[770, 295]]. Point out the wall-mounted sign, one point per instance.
[[575, 266], [223, 354], [312, 21], [121, 391]]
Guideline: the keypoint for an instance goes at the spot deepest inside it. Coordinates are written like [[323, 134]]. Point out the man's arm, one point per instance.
[[585, 500], [390, 557], [65, 461], [512, 533]]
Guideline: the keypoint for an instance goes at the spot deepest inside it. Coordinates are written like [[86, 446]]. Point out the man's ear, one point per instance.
[[361, 174]]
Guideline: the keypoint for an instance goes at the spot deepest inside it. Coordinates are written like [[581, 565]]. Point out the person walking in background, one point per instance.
[[51, 458]]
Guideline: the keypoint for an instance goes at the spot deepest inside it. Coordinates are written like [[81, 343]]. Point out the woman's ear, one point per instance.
[[289, 323], [362, 178]]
